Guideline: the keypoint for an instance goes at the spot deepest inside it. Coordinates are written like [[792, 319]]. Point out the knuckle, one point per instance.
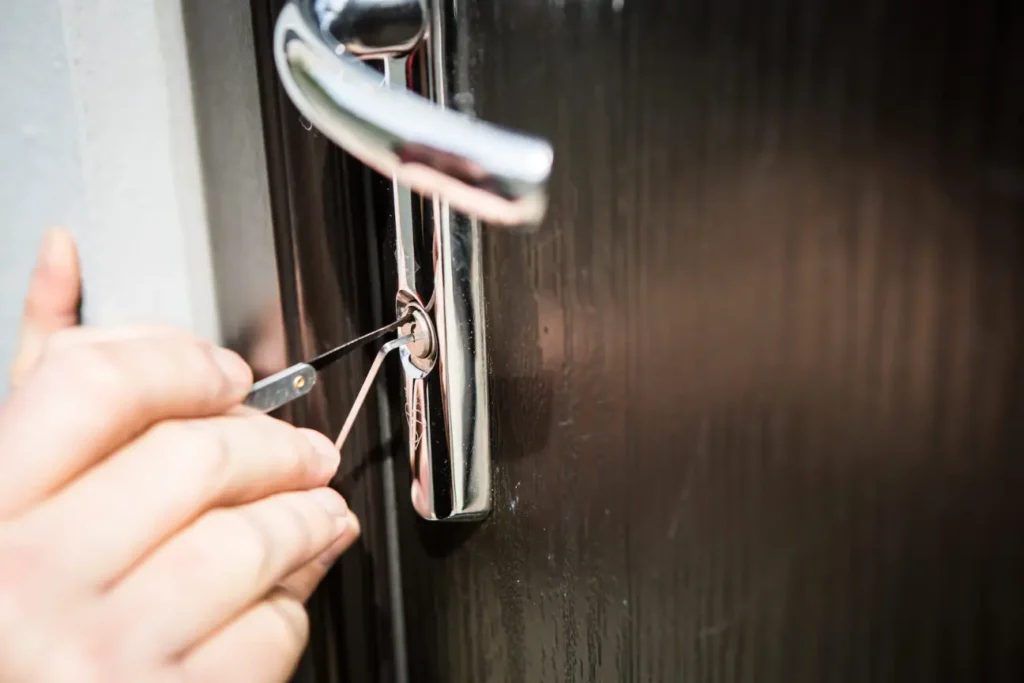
[[311, 528], [56, 341], [298, 452], [314, 443], [87, 659], [233, 536], [286, 452], [303, 523], [211, 548], [120, 371], [190, 362], [292, 620], [205, 452], [277, 534], [314, 439], [67, 338], [257, 537], [21, 566], [199, 357], [91, 370]]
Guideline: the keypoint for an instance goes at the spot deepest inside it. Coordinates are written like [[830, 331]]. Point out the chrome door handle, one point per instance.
[[484, 171], [472, 172]]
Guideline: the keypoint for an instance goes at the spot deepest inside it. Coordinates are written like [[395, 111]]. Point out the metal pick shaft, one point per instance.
[[368, 382]]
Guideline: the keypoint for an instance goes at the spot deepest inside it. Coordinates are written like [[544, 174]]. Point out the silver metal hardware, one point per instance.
[[493, 174], [473, 171], [448, 409], [421, 356], [353, 412], [371, 28], [283, 387], [418, 342]]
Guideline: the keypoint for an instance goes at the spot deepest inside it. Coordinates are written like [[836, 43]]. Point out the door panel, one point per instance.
[[756, 384]]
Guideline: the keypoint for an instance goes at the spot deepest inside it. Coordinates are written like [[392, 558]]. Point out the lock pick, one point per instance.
[[293, 382]]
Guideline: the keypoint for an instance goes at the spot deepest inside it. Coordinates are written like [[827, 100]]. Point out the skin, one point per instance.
[[151, 529]]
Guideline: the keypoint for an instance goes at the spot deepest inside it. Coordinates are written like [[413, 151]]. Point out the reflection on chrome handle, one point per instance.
[[492, 174]]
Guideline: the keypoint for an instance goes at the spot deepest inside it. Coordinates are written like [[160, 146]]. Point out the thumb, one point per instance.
[[52, 302]]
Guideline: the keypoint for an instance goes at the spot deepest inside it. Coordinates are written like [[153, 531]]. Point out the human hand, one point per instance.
[[150, 528]]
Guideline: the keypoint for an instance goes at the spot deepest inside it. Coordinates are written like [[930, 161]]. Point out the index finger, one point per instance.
[[85, 402]]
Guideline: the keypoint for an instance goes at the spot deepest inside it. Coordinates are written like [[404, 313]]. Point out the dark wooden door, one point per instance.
[[758, 382]]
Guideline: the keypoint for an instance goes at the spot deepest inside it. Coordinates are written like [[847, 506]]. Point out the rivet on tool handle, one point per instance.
[[271, 393]]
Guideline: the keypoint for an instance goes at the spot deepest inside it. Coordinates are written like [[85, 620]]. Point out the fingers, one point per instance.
[[265, 643], [87, 401], [71, 337], [167, 478], [224, 562], [261, 646], [302, 582], [52, 301]]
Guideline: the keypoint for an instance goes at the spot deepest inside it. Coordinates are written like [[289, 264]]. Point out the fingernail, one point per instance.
[[348, 536], [328, 456], [332, 501], [232, 365], [328, 557]]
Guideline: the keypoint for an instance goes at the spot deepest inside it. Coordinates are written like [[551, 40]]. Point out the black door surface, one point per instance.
[[758, 382]]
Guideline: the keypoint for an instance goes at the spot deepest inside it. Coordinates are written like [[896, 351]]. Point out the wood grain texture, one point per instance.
[[757, 384], [325, 232]]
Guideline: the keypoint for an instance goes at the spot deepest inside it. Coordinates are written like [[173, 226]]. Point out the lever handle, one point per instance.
[[487, 172], [369, 28]]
